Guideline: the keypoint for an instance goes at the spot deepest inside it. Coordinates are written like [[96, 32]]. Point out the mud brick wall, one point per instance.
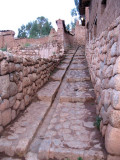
[[45, 50], [22, 41], [103, 56], [79, 38], [68, 40], [20, 78]]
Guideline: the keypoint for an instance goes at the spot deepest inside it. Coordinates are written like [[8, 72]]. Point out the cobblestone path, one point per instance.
[[59, 125]]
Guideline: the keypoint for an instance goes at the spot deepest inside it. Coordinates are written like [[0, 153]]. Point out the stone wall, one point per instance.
[[102, 13], [20, 78], [103, 56]]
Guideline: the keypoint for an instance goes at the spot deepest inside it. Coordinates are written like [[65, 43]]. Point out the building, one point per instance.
[[102, 23]]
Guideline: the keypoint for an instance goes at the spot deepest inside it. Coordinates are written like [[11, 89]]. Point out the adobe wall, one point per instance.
[[20, 78], [105, 14], [68, 40], [23, 41], [79, 38], [44, 47], [103, 57], [45, 50], [6, 38]]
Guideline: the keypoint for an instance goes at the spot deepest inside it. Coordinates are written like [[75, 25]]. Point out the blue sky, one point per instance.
[[14, 13]]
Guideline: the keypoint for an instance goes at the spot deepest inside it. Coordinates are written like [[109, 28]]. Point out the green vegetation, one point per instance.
[[75, 11], [75, 14], [27, 44], [4, 48], [97, 122], [36, 29], [54, 53]]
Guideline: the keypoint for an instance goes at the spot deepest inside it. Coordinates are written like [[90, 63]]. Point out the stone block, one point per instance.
[[19, 96], [4, 67], [25, 71], [104, 116], [107, 99], [114, 118], [22, 105], [16, 105], [13, 114], [4, 86], [110, 157], [11, 67], [26, 82], [116, 69], [18, 67], [115, 82], [109, 71], [112, 140], [27, 99], [115, 99], [13, 89], [6, 117], [4, 105], [113, 50], [20, 87], [12, 101]]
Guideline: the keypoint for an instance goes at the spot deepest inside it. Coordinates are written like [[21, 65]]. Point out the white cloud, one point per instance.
[[14, 13]]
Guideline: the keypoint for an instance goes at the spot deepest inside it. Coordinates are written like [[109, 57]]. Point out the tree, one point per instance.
[[68, 27], [73, 24], [36, 29], [22, 32], [75, 11]]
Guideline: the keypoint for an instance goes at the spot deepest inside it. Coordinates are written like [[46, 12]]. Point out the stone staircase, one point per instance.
[[59, 124]]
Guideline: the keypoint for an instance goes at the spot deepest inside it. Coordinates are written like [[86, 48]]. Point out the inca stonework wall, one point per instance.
[[103, 56], [20, 78]]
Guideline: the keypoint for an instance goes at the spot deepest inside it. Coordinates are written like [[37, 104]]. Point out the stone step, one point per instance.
[[69, 56], [31, 156], [17, 138], [79, 61], [71, 52], [58, 75], [66, 61], [78, 67], [77, 92], [48, 91], [79, 57], [72, 134], [63, 66], [77, 76]]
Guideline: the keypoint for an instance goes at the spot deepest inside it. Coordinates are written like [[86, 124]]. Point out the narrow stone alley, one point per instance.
[[59, 124]]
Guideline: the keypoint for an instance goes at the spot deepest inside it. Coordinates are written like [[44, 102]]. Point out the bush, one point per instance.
[[4, 48], [27, 44], [97, 122]]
